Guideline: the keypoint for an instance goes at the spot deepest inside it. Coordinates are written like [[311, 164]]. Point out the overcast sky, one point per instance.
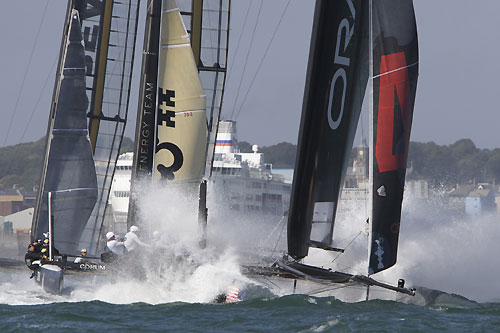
[[457, 94]]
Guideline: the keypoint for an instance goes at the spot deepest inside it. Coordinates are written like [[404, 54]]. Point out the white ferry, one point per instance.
[[242, 182], [246, 182]]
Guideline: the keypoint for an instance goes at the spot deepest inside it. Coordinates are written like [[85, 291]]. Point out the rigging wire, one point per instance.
[[349, 244], [246, 59], [26, 72], [38, 100], [239, 40], [262, 60]]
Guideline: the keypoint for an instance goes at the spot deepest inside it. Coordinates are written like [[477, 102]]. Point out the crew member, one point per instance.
[[82, 258], [45, 249], [34, 251], [132, 242], [113, 245]]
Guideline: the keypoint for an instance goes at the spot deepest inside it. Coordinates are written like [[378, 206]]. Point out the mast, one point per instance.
[[53, 104], [370, 137], [144, 149]]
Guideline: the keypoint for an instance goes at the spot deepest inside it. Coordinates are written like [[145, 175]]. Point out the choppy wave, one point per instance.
[[297, 313]]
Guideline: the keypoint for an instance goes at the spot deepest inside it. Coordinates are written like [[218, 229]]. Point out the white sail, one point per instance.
[[181, 118]]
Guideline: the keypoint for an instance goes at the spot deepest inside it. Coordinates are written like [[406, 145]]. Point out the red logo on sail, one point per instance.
[[394, 91]]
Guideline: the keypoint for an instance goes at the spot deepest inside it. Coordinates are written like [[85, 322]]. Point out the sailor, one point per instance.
[[45, 249], [82, 258], [133, 242], [113, 245], [34, 251]]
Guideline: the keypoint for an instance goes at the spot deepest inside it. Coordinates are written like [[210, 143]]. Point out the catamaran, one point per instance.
[[86, 124], [354, 42], [181, 92]]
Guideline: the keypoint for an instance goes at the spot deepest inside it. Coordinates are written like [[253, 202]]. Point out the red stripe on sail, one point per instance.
[[393, 80]]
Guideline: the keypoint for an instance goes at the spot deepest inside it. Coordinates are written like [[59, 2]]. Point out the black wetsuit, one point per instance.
[[34, 252]]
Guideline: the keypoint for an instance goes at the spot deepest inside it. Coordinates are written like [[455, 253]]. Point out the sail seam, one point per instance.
[[75, 189], [174, 46], [395, 70]]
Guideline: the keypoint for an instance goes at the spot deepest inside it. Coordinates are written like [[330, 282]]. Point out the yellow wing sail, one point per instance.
[[181, 119]]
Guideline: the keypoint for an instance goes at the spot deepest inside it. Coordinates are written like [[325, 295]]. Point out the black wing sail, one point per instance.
[[70, 173], [395, 73], [144, 149], [335, 85]]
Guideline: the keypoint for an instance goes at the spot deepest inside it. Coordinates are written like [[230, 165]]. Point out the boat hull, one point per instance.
[[50, 278]]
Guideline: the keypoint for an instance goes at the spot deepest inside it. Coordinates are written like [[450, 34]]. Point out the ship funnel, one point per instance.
[[226, 141]]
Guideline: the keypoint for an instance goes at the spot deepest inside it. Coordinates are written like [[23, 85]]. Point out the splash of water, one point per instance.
[[438, 248]]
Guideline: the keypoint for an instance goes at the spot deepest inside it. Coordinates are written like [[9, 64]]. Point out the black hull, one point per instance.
[[50, 278], [50, 274], [297, 271]]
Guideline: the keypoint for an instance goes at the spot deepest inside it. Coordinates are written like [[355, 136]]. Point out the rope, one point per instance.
[[239, 40], [279, 237], [349, 244], [262, 60], [246, 59], [38, 100]]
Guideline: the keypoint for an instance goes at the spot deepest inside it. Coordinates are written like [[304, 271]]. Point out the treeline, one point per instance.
[[447, 165], [461, 162], [22, 164], [281, 155]]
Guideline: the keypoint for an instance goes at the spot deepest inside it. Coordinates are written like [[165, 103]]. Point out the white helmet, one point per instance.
[[134, 228], [110, 235]]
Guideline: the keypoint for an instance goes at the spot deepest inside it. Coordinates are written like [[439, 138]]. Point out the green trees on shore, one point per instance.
[[447, 165]]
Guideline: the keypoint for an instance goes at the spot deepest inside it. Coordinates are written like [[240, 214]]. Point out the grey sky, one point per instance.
[[457, 93]]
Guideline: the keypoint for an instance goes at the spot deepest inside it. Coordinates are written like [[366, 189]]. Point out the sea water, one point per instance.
[[292, 313], [457, 255]]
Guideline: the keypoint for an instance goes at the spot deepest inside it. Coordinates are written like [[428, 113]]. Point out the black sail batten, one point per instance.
[[69, 170], [335, 84], [395, 73], [144, 149]]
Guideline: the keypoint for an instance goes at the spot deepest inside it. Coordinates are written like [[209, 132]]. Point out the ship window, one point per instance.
[[122, 194]]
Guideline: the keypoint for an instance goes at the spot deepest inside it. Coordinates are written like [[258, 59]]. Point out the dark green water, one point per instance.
[[296, 313]]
